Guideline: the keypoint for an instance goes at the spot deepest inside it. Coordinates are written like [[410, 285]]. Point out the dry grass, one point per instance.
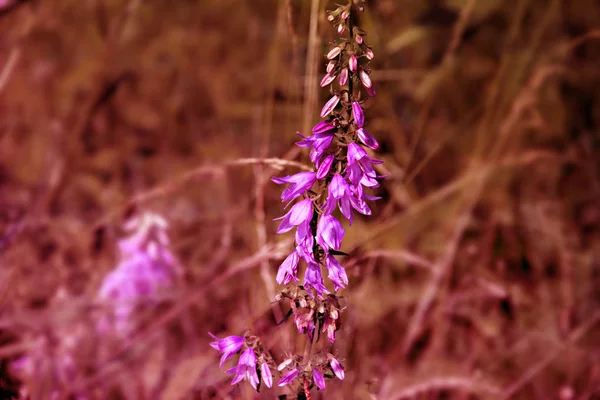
[[477, 277]]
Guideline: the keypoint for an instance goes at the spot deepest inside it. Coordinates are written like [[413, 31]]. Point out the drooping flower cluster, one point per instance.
[[342, 167], [249, 366], [342, 171], [146, 267]]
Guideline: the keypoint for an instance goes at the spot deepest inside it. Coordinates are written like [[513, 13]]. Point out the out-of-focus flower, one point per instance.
[[146, 267]]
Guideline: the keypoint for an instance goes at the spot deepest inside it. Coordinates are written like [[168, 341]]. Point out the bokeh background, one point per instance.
[[477, 277]]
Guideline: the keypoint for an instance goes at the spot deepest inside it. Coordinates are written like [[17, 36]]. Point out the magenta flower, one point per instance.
[[340, 194], [288, 269], [337, 273], [359, 116], [288, 378], [329, 233], [314, 279], [305, 241], [325, 166], [319, 142], [246, 369], [319, 379], [337, 368], [300, 212], [360, 168], [228, 346], [366, 138], [329, 106], [265, 373], [299, 183]]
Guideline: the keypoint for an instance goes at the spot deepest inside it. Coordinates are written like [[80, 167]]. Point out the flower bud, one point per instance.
[[327, 79], [302, 302], [284, 364], [359, 39], [345, 14], [341, 28], [331, 66], [334, 314], [359, 116], [365, 79], [333, 53], [352, 63], [329, 106], [330, 18], [369, 53], [344, 77], [367, 139]]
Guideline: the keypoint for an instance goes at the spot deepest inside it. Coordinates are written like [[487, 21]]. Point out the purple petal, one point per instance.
[[288, 269], [265, 372], [359, 116], [337, 273], [343, 77], [365, 79], [367, 139], [327, 79], [337, 368], [319, 379], [329, 232], [329, 106], [288, 378], [352, 63], [314, 279], [323, 126], [325, 167]]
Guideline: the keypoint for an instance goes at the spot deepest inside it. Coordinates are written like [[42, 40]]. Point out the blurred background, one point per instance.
[[477, 277]]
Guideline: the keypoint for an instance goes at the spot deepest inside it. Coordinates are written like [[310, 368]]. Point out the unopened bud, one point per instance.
[[341, 28], [302, 302], [330, 18], [369, 53], [284, 364], [331, 66], [365, 79], [344, 77], [327, 79], [345, 14], [359, 39], [352, 63], [333, 53], [334, 314]]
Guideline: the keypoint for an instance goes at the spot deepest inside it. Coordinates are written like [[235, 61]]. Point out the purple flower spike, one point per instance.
[[365, 79], [337, 368], [359, 116], [367, 139], [265, 372], [319, 379], [344, 77], [329, 106], [288, 269], [299, 183], [299, 213], [327, 79], [337, 273], [288, 378], [246, 369], [228, 346], [325, 167], [329, 233], [323, 126], [314, 279], [352, 63]]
